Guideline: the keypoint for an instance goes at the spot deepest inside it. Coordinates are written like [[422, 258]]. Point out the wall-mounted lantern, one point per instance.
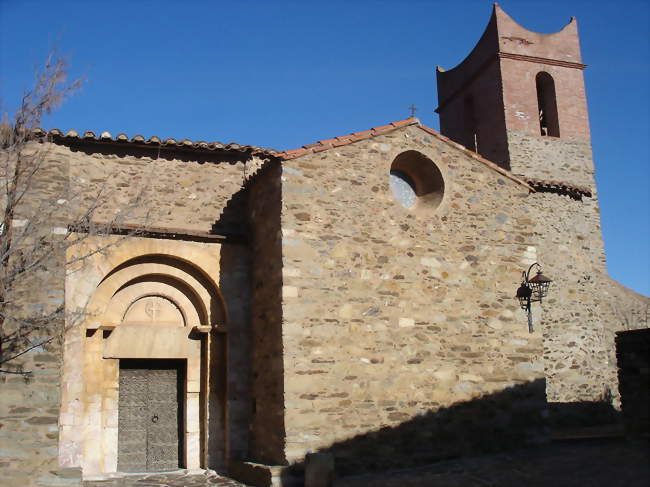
[[532, 290]]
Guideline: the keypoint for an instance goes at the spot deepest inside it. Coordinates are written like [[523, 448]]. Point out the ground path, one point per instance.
[[608, 462], [173, 479]]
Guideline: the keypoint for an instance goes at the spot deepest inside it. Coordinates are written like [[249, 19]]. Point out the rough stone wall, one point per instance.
[[570, 252], [392, 316], [234, 284], [585, 308], [29, 404], [267, 348], [175, 190], [567, 160], [181, 191]]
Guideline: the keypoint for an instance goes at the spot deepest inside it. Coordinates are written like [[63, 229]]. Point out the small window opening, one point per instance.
[[549, 125]]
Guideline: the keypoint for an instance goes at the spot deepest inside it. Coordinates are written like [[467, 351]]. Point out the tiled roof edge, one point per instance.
[[327, 144], [551, 186], [57, 136], [323, 145]]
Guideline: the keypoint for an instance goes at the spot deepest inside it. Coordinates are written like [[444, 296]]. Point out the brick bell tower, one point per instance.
[[518, 99]]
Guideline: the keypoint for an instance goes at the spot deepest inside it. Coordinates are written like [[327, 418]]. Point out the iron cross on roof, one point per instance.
[[413, 108]]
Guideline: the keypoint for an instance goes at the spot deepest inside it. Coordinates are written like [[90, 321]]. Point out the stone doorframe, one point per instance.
[[99, 293]]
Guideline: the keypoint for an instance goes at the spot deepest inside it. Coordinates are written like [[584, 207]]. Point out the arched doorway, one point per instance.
[[136, 374]]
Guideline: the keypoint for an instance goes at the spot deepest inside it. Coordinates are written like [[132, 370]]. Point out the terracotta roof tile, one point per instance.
[[342, 142], [401, 122], [328, 141], [558, 187], [346, 139], [186, 144]]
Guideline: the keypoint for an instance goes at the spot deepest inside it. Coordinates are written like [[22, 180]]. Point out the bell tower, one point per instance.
[[518, 99]]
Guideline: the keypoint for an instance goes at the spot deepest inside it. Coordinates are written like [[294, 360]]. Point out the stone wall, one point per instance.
[[585, 307], [180, 190], [571, 253], [567, 160], [30, 385], [267, 295], [173, 189], [234, 284], [393, 316]]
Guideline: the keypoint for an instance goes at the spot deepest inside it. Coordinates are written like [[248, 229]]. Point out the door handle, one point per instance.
[[154, 418]]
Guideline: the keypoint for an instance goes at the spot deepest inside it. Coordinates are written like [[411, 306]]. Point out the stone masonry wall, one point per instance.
[[585, 308], [234, 284], [571, 253], [189, 193], [176, 191], [567, 160], [29, 404], [395, 322], [267, 348]]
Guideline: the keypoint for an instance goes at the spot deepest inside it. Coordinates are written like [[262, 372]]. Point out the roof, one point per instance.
[[323, 145], [73, 136], [558, 187]]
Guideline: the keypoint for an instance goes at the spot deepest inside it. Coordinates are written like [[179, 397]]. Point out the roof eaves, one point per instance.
[[138, 140], [326, 144]]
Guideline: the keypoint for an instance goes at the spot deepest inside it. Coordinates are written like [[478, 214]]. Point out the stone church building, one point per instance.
[[354, 296]]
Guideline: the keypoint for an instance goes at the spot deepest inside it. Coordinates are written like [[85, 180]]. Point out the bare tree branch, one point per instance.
[[43, 217]]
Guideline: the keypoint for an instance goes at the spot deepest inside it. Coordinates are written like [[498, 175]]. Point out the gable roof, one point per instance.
[[327, 144]]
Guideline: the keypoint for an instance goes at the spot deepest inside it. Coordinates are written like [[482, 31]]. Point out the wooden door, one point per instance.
[[150, 415]]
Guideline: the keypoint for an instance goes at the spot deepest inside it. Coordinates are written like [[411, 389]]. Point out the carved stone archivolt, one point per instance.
[[144, 299]]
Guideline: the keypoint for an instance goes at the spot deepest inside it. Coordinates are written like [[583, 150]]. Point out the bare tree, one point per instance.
[[43, 217]]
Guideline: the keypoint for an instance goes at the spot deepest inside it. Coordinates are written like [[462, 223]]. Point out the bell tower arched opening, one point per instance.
[[549, 125]]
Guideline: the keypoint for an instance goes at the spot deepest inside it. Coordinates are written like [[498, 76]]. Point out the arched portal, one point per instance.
[[136, 371]]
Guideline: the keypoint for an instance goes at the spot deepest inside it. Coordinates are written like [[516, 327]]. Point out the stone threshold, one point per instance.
[[116, 475]]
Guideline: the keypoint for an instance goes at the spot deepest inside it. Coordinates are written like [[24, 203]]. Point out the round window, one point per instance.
[[416, 182]]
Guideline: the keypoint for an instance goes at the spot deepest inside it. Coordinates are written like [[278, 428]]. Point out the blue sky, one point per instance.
[[283, 74]]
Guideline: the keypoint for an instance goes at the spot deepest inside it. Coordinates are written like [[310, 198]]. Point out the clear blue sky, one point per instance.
[[283, 74]]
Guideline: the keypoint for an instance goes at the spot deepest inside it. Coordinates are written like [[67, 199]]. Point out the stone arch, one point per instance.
[[149, 286], [176, 274], [155, 267]]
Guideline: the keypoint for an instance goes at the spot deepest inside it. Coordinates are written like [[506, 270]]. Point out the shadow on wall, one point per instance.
[[512, 418]]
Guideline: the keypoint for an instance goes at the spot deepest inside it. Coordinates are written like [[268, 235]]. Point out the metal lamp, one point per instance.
[[532, 290]]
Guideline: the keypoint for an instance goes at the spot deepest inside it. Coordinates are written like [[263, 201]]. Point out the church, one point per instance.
[[356, 296]]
